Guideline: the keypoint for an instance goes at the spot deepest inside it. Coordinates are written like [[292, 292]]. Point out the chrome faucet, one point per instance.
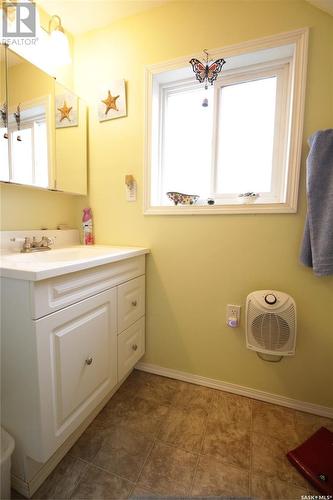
[[36, 246]]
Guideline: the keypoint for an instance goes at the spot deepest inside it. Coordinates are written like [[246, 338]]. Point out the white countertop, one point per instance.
[[47, 264]]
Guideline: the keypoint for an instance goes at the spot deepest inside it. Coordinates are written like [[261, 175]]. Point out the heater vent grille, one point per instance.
[[271, 328], [270, 331]]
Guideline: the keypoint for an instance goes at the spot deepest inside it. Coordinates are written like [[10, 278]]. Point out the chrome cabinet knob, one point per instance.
[[134, 347], [134, 303], [89, 361]]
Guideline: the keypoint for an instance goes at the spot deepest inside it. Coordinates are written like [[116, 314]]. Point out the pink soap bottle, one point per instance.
[[87, 225]]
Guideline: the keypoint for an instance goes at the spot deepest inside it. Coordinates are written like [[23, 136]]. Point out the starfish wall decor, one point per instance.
[[65, 111], [112, 102], [66, 105]]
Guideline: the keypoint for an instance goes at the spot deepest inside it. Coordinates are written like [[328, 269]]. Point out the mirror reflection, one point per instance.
[[4, 164], [28, 143], [30, 128], [46, 142]]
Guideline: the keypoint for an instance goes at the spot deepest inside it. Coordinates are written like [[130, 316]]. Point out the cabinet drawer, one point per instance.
[[131, 347], [56, 293], [131, 302], [77, 364]]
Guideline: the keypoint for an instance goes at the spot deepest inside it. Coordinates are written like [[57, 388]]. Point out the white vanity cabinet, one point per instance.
[[67, 341], [77, 365]]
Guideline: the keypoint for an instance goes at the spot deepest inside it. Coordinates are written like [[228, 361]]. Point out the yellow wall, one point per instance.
[[28, 208], [201, 263]]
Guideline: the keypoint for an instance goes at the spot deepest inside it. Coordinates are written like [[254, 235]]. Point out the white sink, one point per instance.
[[62, 254], [49, 263]]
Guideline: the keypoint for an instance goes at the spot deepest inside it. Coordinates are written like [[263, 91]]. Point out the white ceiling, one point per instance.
[[326, 5], [79, 16]]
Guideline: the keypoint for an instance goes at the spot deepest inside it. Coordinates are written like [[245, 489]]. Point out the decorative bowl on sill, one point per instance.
[[182, 198], [249, 197]]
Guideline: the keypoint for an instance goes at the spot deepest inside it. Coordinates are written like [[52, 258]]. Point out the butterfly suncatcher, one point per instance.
[[206, 72]]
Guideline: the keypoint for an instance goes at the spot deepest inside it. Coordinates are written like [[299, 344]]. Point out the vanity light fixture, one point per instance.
[[59, 42]]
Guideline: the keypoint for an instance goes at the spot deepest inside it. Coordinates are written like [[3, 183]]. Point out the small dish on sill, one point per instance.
[[249, 197], [182, 198]]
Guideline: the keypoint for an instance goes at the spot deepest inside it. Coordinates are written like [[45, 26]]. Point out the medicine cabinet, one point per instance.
[[43, 140]]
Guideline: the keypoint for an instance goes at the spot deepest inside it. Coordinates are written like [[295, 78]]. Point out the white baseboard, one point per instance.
[[20, 485], [323, 411]]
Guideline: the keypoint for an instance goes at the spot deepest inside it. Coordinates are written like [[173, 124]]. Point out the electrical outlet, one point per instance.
[[233, 315]]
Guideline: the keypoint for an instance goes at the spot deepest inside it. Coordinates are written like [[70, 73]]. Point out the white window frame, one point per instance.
[[165, 91], [31, 125], [281, 70], [287, 127], [44, 101]]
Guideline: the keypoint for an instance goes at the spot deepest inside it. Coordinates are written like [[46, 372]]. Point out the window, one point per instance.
[[4, 170], [29, 146], [247, 140], [29, 154], [187, 129]]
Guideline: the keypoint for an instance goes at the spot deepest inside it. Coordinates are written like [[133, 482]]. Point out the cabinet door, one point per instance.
[[70, 142], [131, 302], [77, 359], [47, 129]]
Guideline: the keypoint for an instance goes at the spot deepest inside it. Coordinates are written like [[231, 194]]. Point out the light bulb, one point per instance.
[[59, 47]]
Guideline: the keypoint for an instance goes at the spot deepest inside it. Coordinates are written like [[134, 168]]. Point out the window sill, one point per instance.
[[244, 208]]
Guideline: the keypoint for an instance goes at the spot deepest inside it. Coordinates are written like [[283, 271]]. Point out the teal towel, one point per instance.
[[317, 246]]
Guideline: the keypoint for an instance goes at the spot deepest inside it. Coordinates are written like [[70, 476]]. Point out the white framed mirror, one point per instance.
[[45, 145]]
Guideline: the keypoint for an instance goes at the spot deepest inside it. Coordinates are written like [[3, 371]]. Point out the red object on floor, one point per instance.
[[314, 459]]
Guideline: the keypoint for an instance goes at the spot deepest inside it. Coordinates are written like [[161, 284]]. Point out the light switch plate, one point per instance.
[[131, 192]]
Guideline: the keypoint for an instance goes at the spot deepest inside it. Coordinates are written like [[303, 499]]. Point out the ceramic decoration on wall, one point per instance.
[[112, 101], [66, 110]]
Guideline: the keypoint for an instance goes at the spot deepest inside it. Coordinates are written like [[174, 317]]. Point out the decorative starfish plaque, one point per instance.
[[65, 111], [66, 107], [112, 102]]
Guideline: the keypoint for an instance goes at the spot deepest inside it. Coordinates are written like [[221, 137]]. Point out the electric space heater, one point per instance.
[[271, 323]]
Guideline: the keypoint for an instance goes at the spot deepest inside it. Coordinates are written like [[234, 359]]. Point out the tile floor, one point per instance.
[[161, 437]]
